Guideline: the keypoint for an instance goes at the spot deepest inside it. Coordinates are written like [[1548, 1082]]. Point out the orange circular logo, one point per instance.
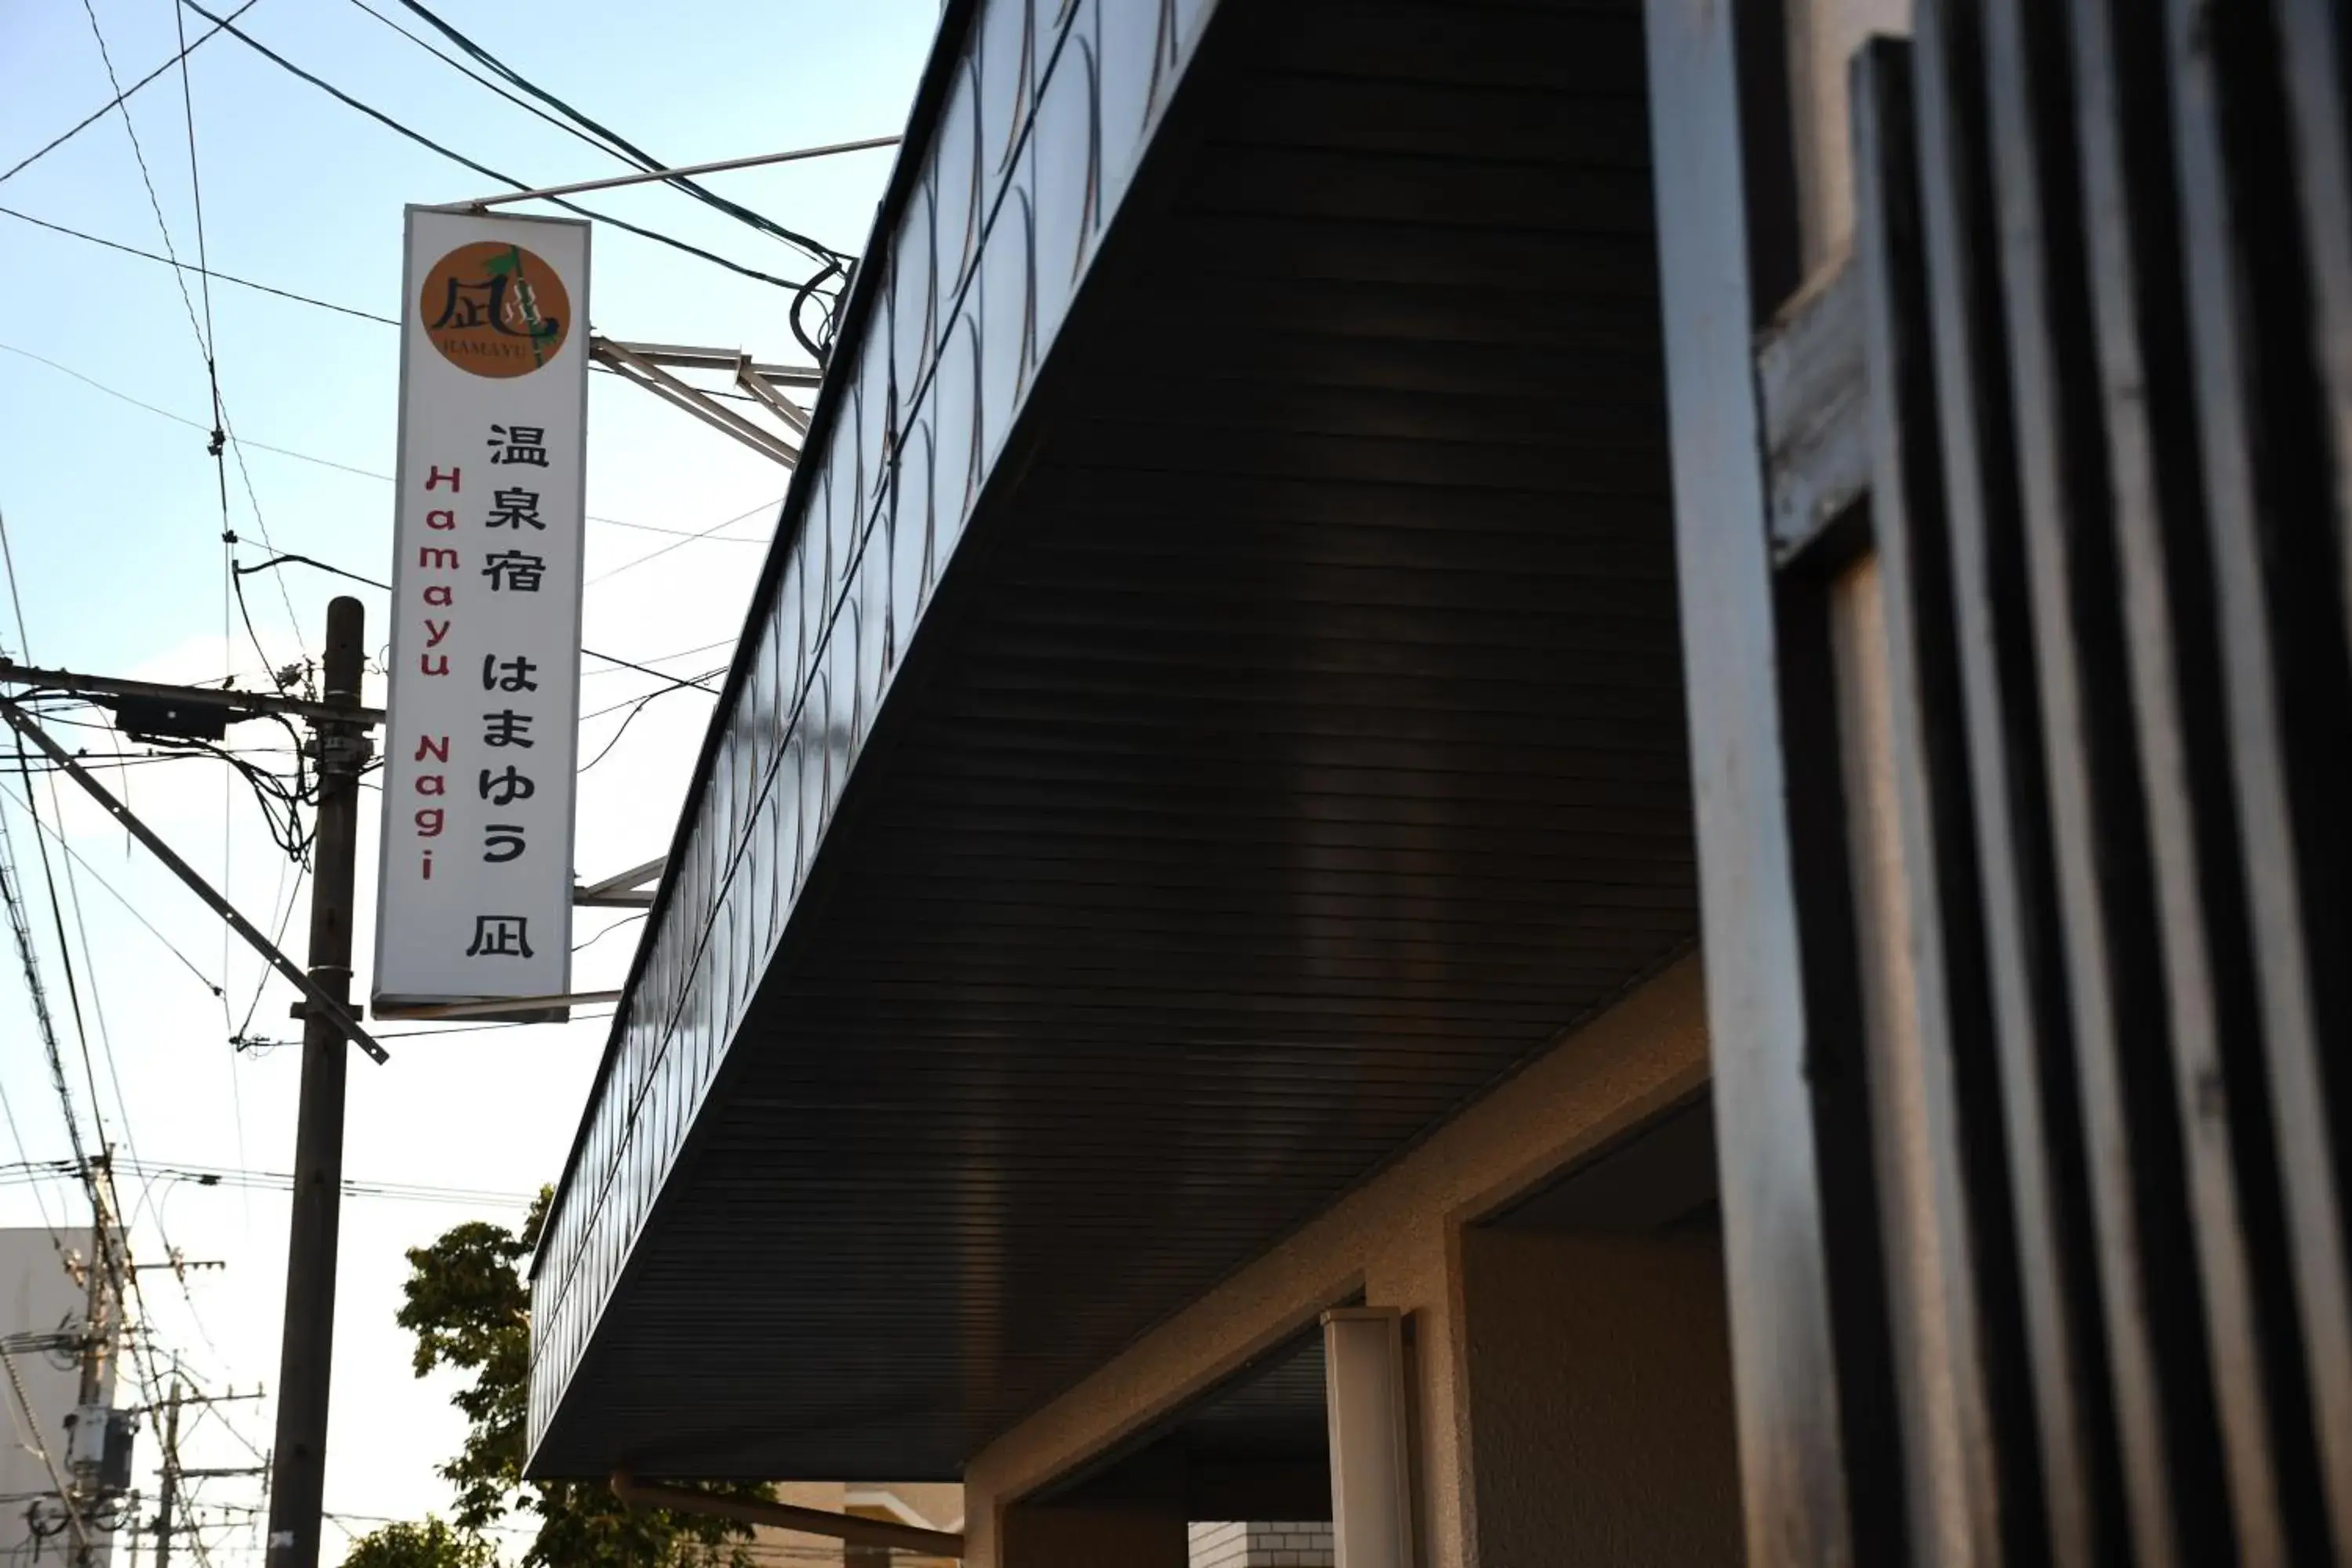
[[495, 309]]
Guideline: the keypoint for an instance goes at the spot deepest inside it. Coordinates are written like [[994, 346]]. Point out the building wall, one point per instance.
[[38, 1296], [936, 1505], [1297, 1543], [789, 1548], [932, 1505], [1397, 1240], [1599, 1369]]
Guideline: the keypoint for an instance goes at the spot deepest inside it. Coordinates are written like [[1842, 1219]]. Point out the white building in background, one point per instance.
[[42, 1310]]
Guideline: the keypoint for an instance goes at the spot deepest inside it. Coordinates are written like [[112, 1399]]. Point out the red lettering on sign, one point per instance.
[[443, 521], [428, 864], [436, 560], [429, 822], [439, 593], [433, 480], [433, 746], [432, 784], [433, 663], [434, 632]]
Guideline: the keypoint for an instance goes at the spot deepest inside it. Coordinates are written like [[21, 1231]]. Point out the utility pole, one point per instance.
[[168, 1500], [297, 1488], [91, 1415], [98, 1314]]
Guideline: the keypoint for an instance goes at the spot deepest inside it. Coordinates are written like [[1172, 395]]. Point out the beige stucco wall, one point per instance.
[[936, 1505], [1598, 1372], [1397, 1239], [789, 1548]]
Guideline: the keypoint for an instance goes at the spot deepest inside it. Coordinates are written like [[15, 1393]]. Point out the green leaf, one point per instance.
[[431, 1544], [468, 1305]]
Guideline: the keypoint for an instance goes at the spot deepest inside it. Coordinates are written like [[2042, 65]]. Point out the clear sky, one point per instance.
[[114, 516]]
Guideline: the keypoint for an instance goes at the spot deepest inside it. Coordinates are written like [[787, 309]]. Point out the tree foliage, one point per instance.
[[469, 1307], [432, 1544]]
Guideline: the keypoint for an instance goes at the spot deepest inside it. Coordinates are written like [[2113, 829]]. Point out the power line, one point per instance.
[[203, 257], [291, 558], [658, 674], [99, 1175], [206, 270], [278, 940], [96, 385], [635, 708], [685, 535], [472, 75], [675, 683], [617, 925], [645, 161], [40, 1000], [598, 366], [41, 1447], [29, 956], [95, 115], [631, 565], [30, 1172], [106, 1207], [138, 154], [236, 588], [222, 432], [222, 427], [130, 907], [659, 657], [41, 767], [482, 169], [374, 582], [97, 992], [65, 951]]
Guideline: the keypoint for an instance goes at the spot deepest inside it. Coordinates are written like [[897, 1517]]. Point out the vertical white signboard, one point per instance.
[[475, 898]]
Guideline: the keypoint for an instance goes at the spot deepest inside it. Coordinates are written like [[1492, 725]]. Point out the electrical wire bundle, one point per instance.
[[286, 803], [236, 1178], [283, 802], [820, 288], [832, 265]]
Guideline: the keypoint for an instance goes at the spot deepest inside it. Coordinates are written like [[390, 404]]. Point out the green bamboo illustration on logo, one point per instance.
[[510, 266]]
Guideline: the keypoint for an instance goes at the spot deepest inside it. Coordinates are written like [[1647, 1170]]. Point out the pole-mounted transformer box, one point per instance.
[[100, 1439]]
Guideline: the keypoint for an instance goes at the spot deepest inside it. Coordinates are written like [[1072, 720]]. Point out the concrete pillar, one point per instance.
[[1131, 1515], [1371, 1479]]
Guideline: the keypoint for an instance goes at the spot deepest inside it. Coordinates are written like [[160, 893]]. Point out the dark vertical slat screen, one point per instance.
[[2146, 409], [2001, 1495], [2002, 712], [2268, 358], [2104, 258], [2156, 1323], [2105, 271], [2315, 54], [2109, 276]]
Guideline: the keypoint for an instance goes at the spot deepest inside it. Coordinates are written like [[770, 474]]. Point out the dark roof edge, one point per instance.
[[906, 175]]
